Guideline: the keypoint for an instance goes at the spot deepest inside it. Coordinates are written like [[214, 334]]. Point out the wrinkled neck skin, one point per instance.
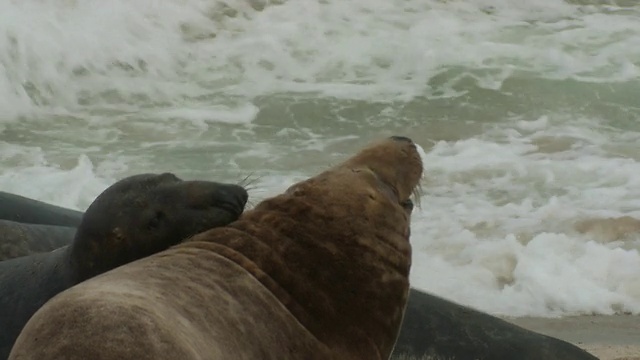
[[345, 279]]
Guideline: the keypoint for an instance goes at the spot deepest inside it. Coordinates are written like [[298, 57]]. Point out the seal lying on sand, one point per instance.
[[319, 272], [20, 239], [134, 218], [437, 329], [21, 209]]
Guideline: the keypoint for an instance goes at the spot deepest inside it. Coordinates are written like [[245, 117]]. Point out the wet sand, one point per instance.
[[615, 337]]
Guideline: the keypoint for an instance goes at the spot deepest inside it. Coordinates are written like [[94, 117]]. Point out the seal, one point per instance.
[[21, 209], [135, 217], [29, 226], [437, 329], [318, 272], [20, 239]]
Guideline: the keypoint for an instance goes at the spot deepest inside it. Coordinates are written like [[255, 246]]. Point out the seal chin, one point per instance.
[[231, 208]]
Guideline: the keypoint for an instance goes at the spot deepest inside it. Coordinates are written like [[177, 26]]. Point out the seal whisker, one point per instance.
[[251, 204], [245, 179], [248, 180], [254, 200], [253, 188], [416, 195]]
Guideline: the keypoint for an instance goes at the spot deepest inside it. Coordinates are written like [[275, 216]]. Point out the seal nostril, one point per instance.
[[401, 138]]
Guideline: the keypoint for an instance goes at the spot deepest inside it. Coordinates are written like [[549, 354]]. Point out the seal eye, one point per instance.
[[154, 223], [407, 204]]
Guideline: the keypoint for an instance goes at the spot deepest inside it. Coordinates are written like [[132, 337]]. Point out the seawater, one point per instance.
[[528, 112]]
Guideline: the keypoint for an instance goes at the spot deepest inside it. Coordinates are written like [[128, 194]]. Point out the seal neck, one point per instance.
[[336, 275], [79, 264], [87, 258]]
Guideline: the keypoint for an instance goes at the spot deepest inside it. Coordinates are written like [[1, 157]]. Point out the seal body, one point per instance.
[[136, 217], [21, 209], [435, 329], [21, 239], [319, 272], [25, 285]]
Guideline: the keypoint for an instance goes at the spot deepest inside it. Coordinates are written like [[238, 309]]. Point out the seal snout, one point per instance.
[[232, 198], [401, 139]]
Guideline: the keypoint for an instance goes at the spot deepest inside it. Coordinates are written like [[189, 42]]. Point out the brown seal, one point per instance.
[[319, 272]]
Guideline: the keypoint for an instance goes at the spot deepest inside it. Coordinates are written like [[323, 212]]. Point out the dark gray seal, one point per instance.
[[21, 209], [20, 239], [136, 217], [437, 329]]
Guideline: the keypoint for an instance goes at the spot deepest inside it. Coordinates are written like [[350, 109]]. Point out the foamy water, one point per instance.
[[527, 111]]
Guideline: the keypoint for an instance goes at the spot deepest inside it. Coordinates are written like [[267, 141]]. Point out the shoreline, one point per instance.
[[608, 337]]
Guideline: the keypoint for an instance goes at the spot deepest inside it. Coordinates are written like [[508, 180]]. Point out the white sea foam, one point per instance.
[[68, 54], [497, 227], [73, 188]]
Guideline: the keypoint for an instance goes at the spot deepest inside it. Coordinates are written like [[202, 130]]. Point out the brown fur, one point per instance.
[[319, 272]]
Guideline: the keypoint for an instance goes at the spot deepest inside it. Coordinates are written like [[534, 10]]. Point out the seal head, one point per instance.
[[147, 213]]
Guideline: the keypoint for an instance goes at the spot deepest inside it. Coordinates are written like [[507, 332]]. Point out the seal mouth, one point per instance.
[[234, 206], [233, 202], [231, 208]]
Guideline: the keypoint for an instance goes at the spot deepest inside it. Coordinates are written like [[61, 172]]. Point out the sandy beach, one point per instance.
[[615, 337]]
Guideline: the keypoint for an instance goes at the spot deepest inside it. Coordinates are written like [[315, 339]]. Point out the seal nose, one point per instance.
[[233, 195], [401, 138]]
